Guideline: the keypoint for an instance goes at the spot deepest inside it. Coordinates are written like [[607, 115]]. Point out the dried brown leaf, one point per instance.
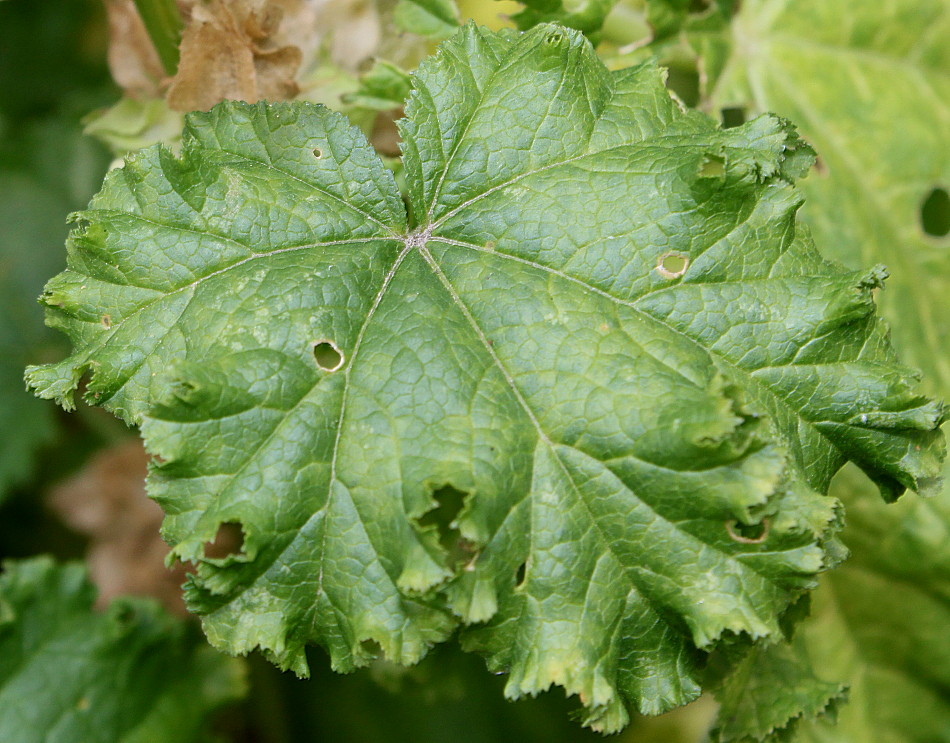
[[229, 52], [133, 61]]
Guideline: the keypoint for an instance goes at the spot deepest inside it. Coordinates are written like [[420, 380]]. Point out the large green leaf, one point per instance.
[[869, 88], [130, 674], [601, 322]]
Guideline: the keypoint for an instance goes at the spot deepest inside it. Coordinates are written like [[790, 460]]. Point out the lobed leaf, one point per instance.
[[600, 322]]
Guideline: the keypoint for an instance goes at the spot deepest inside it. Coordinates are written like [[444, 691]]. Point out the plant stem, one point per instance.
[[163, 23]]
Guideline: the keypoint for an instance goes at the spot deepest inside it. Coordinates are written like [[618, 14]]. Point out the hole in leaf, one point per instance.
[[732, 117], [372, 648], [227, 542], [317, 153], [748, 533], [449, 504], [328, 355], [554, 38], [684, 82], [712, 166], [672, 264], [520, 574], [935, 213], [106, 321]]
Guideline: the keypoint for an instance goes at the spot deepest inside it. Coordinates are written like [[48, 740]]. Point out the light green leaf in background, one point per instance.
[[599, 320], [383, 87], [870, 91], [134, 123], [436, 19], [129, 674], [879, 622]]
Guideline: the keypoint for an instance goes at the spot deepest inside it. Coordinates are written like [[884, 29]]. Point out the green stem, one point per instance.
[[163, 23]]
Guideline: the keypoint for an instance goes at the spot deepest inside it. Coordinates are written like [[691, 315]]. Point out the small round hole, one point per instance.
[[672, 264], [228, 541], [935, 213], [317, 153], [328, 355], [748, 534]]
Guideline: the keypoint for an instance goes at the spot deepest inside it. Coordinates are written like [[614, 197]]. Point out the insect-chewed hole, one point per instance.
[[318, 153], [328, 355], [748, 533], [521, 574], [444, 517], [935, 213], [372, 649], [672, 264], [227, 542], [554, 38]]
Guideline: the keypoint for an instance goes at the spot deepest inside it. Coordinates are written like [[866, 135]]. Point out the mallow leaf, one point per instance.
[[129, 674], [600, 321]]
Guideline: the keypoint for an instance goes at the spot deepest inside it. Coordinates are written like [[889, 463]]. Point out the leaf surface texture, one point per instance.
[[600, 321]]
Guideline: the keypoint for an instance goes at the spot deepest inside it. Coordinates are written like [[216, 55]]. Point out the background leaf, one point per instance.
[[436, 19], [846, 78], [128, 675]]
